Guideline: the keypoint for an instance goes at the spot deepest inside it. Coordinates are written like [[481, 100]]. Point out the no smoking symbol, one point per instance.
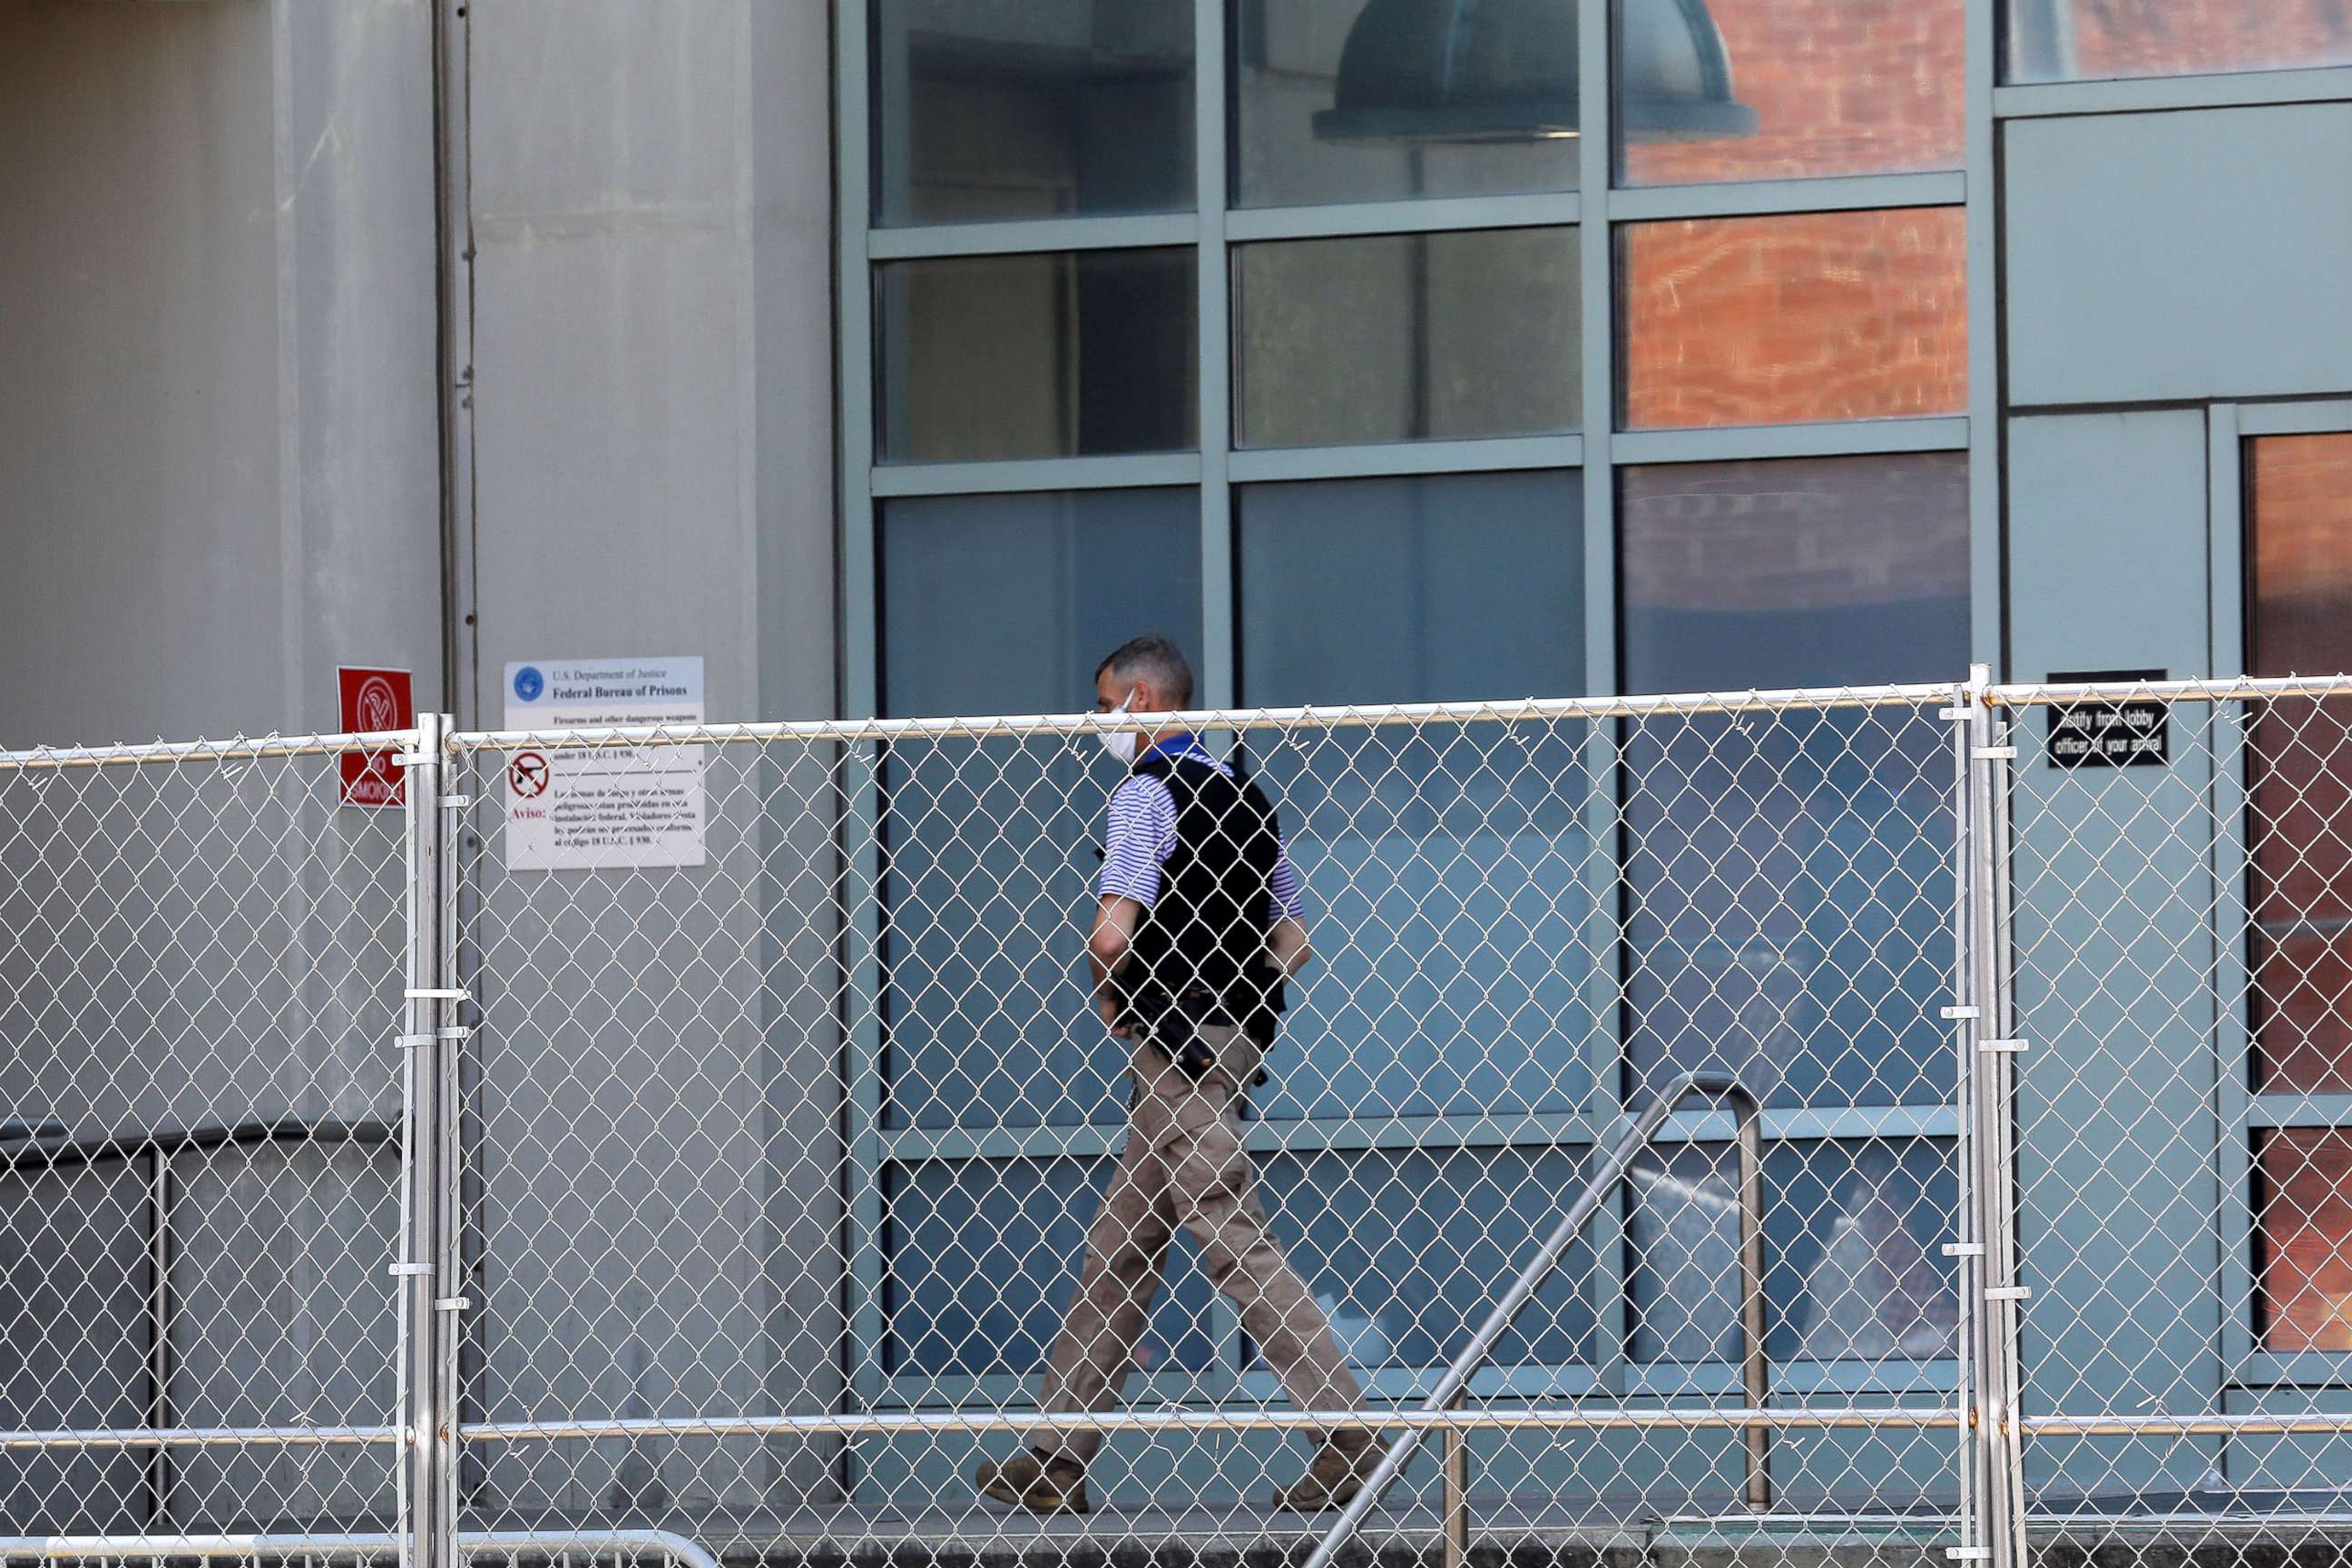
[[527, 775]]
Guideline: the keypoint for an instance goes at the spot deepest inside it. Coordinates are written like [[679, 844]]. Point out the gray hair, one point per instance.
[[1155, 660]]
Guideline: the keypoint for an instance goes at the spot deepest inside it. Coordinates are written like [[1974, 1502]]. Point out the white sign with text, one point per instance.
[[582, 807]]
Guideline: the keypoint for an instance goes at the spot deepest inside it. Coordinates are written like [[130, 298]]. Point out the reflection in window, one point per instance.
[[985, 109], [1789, 873], [1851, 1237], [1407, 337], [1350, 100], [1003, 605], [1837, 87], [1457, 855], [1058, 354], [983, 1254], [1406, 1250], [2304, 1239], [2076, 40], [2300, 621], [1786, 319]]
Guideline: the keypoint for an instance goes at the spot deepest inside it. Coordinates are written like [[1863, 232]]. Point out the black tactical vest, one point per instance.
[[1204, 939]]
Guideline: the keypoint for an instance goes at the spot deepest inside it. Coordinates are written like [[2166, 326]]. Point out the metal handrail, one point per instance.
[[1472, 1355]]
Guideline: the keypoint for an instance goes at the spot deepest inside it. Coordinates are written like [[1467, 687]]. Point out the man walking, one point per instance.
[[1197, 925]]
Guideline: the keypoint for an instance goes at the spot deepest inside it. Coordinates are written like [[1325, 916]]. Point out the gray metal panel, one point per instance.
[[74, 1339], [2189, 254], [2107, 570]]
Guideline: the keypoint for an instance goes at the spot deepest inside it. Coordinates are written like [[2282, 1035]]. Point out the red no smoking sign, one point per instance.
[[371, 701]]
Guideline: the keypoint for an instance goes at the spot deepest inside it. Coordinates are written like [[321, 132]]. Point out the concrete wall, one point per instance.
[[653, 365], [218, 476], [219, 469], [218, 449]]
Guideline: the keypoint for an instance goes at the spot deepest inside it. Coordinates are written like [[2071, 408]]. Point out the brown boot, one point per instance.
[[1032, 1481], [1342, 1464]]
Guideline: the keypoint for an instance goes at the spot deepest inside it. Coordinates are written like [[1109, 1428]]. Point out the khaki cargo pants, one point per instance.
[[1184, 1165]]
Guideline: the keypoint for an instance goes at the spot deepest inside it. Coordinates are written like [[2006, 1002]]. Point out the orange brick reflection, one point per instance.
[[1839, 87], [2175, 37], [2307, 1239], [2301, 623], [1785, 320]]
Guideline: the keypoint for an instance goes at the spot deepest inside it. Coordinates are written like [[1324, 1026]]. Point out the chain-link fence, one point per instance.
[[200, 960], [2181, 883], [717, 1131]]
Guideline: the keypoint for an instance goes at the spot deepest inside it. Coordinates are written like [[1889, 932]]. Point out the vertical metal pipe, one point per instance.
[[2003, 1196], [1988, 779], [1755, 1369], [159, 1330], [428, 1531], [451, 1277], [1968, 1250], [1455, 1486], [453, 276]]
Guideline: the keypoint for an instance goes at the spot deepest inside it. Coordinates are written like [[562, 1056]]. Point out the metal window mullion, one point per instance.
[[1608, 1234], [1367, 1135], [1213, 379], [1981, 253], [2230, 866], [1411, 214], [1824, 438], [859, 653], [1016, 475], [1487, 453], [1019, 237], [1789, 196]]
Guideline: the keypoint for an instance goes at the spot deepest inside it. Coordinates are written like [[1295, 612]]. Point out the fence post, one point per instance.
[[1991, 1176], [428, 1525]]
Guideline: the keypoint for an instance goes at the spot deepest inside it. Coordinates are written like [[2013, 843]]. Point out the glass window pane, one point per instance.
[[2078, 40], [2300, 611], [1014, 109], [1003, 605], [2303, 1239], [1446, 869], [1788, 875], [1059, 354], [983, 1254], [1353, 100], [1778, 321], [1836, 86], [1406, 1251], [1407, 337], [1852, 1236]]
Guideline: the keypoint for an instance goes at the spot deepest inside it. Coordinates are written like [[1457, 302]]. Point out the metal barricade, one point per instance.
[[701, 1130]]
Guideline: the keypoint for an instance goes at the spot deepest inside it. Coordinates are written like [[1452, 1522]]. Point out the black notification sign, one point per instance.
[[2111, 734]]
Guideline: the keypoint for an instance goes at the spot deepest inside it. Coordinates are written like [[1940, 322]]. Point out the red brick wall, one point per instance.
[[1860, 315], [1839, 87]]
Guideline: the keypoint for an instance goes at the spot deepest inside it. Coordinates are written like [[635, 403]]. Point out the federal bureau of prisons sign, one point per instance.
[[2115, 733]]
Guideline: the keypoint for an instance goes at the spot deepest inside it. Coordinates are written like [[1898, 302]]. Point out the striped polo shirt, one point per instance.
[[1140, 834]]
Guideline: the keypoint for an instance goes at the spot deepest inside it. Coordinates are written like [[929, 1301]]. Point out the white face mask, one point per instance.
[[1120, 743]]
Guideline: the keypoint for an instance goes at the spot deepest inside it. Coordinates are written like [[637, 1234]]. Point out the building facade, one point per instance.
[[899, 357]]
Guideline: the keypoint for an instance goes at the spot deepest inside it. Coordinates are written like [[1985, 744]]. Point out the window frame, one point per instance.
[[1216, 227], [2243, 1113]]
